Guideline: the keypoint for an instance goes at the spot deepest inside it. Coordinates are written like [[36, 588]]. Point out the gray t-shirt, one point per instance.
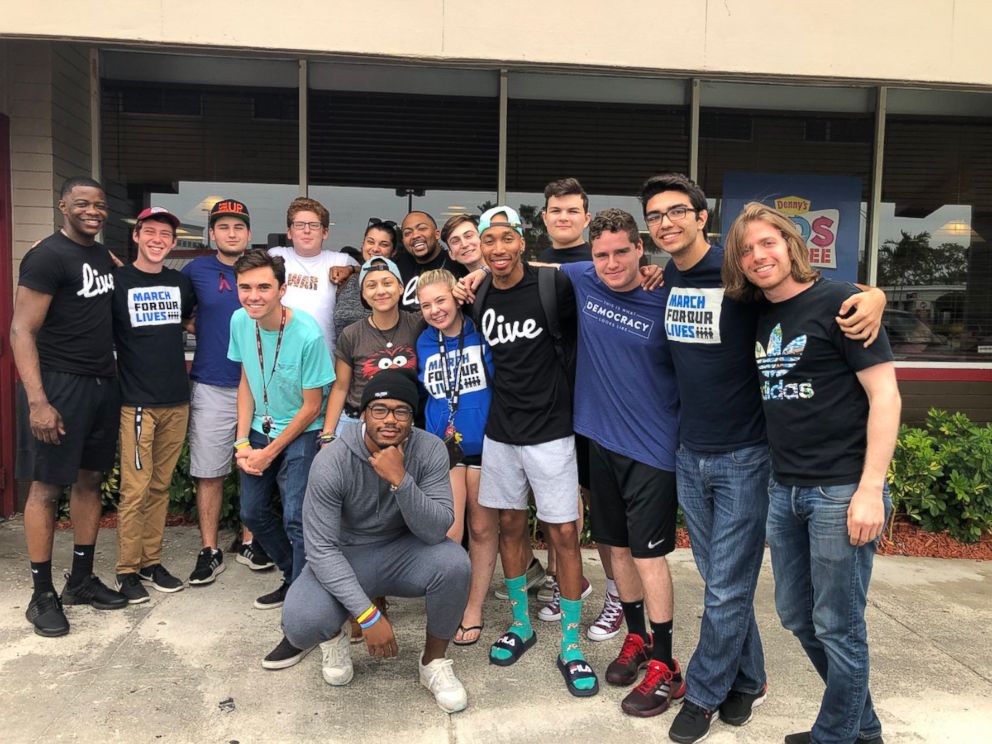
[[369, 351]]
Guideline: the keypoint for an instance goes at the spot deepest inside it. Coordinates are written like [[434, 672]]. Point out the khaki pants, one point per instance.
[[145, 490]]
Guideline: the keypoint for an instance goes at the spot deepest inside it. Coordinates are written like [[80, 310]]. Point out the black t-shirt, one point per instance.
[[76, 335], [711, 338], [574, 254], [148, 313], [532, 399], [410, 270], [815, 407]]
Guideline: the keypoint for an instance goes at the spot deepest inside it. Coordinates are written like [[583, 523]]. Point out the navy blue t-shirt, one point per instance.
[[816, 408], [628, 400], [216, 292], [712, 344]]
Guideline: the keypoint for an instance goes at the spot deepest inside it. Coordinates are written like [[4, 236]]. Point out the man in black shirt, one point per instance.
[[68, 404], [832, 412], [566, 217], [529, 439], [424, 252], [151, 302]]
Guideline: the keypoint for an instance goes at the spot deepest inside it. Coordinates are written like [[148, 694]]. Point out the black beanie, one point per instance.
[[394, 384]]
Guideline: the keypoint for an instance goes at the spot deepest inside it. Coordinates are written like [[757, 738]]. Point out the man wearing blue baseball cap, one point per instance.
[[529, 437]]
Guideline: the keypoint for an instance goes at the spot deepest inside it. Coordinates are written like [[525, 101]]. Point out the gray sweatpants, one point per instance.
[[405, 567]]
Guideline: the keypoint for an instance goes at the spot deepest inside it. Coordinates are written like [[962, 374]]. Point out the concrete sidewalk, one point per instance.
[[158, 672]]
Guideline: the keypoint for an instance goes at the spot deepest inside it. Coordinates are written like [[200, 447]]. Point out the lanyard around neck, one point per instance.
[[452, 391], [261, 362]]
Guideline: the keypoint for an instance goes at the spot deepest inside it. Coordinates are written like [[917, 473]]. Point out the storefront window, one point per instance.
[[610, 133], [934, 260]]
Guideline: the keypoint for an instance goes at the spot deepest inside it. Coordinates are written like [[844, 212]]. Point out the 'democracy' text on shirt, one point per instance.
[[532, 399], [626, 397], [77, 334]]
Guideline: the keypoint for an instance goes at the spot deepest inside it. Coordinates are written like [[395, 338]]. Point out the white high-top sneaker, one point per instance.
[[337, 668], [439, 677]]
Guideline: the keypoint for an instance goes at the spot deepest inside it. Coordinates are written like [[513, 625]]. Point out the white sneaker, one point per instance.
[[337, 668], [439, 677], [609, 622]]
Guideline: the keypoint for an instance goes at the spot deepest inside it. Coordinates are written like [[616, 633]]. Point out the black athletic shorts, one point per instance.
[[582, 460], [91, 410], [632, 505]]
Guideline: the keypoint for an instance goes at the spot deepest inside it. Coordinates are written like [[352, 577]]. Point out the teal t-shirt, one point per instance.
[[303, 364]]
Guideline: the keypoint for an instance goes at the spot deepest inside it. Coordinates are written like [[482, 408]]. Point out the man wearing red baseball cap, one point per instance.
[[150, 304]]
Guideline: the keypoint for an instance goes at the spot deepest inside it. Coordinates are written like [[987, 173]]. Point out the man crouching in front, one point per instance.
[[375, 515]]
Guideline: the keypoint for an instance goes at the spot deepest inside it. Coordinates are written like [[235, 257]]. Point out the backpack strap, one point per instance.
[[549, 303], [480, 298]]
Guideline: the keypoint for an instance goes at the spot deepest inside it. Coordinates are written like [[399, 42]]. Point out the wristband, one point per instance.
[[326, 438], [242, 443], [369, 618], [485, 269]]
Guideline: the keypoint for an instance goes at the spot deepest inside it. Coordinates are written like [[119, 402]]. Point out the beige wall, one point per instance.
[[886, 40], [44, 89]]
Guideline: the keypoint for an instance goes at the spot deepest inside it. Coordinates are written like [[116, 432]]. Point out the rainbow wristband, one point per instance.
[[369, 617]]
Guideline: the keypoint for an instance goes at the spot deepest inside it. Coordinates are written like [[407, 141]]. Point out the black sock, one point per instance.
[[82, 563], [41, 574], [633, 613], [662, 650]]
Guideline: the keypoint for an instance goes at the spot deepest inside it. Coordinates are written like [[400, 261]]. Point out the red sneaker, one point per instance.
[[634, 656], [658, 690]]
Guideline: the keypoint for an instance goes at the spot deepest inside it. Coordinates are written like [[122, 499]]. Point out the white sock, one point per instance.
[[611, 587]]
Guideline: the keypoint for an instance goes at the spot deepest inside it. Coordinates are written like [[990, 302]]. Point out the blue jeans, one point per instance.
[[289, 471], [724, 496], [821, 587]]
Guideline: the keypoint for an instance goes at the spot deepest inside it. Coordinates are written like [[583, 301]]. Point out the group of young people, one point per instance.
[[408, 397]]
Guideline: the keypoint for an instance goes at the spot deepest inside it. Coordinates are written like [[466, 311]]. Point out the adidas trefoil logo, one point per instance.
[[776, 361]]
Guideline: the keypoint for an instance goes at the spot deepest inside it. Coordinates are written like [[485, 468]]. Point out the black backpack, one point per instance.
[[564, 348]]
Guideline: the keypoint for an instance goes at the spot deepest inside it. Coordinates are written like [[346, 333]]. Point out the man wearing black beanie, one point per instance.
[[377, 508]]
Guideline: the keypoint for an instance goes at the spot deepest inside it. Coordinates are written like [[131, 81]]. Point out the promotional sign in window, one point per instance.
[[826, 209]]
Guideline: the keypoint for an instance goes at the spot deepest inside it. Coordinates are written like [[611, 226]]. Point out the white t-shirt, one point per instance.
[[309, 288]]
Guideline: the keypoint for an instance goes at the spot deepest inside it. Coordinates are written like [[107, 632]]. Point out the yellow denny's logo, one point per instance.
[[792, 204]]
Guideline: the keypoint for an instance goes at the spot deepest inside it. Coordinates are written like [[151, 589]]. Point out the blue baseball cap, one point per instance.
[[379, 263], [512, 219]]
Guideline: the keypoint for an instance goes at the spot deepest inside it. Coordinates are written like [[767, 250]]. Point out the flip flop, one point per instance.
[[575, 670], [511, 642], [463, 630]]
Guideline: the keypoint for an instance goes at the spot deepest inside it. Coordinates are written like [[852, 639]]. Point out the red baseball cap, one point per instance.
[[159, 212]]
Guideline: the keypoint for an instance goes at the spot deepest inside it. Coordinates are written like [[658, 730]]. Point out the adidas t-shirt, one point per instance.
[[816, 409]]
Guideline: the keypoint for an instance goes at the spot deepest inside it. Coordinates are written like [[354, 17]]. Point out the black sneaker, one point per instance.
[[130, 586], [737, 708], [93, 592], [272, 600], [45, 613], [209, 565], [285, 655], [160, 579], [804, 737], [254, 556], [692, 723]]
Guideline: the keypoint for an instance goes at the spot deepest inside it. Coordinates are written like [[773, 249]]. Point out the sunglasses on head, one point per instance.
[[376, 222]]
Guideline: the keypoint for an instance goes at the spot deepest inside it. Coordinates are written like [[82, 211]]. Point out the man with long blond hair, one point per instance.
[[832, 414]]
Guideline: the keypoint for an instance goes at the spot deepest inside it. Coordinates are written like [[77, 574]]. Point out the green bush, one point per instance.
[[940, 475]]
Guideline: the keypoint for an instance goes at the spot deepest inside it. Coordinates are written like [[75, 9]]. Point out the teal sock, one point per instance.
[[571, 611], [517, 589]]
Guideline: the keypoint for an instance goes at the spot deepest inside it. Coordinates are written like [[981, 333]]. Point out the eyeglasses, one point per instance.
[[400, 413], [675, 214], [376, 222], [304, 225]]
